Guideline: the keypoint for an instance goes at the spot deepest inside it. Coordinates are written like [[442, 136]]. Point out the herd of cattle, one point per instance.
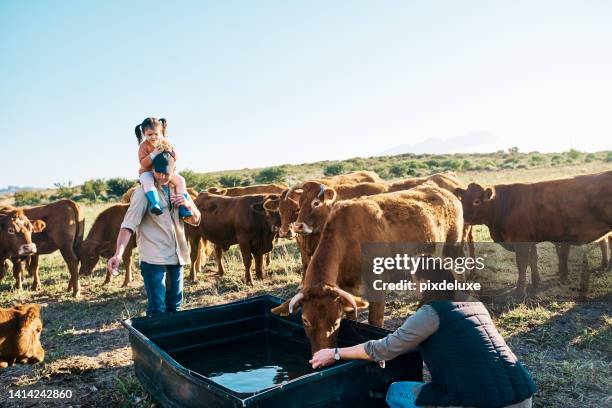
[[329, 219]]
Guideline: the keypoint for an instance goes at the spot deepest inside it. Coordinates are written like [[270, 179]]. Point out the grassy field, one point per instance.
[[567, 346]]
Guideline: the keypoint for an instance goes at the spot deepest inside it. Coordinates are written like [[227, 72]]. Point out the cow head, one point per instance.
[[476, 202], [26, 347], [89, 255], [287, 207], [272, 217], [16, 233], [315, 205], [323, 307]]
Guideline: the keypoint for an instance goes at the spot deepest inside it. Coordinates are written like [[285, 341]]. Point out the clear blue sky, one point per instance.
[[258, 83]]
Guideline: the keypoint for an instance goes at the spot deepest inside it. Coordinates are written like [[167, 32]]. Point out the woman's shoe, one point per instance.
[[153, 199]]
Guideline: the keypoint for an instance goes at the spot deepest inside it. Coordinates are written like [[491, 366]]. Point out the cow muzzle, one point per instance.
[[286, 233], [27, 249], [301, 228]]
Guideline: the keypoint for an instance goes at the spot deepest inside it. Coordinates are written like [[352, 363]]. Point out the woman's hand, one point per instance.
[[322, 358]]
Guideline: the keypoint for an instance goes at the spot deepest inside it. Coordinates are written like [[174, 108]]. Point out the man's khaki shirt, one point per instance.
[[160, 238]]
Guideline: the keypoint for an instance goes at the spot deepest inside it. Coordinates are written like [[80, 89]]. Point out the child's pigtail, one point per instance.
[[138, 132], [164, 124]]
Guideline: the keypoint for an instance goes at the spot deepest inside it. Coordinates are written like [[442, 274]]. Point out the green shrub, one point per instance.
[[608, 157], [247, 181], [230, 180], [589, 158], [93, 189], [573, 154], [63, 190], [334, 169], [397, 170], [432, 163], [118, 186], [23, 198], [451, 164], [536, 159], [467, 165], [199, 181], [271, 175], [383, 172]]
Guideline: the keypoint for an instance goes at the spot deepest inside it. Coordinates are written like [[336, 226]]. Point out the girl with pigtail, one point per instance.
[[151, 135]]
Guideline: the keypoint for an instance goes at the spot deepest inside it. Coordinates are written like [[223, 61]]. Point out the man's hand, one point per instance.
[[113, 264], [178, 200], [322, 358]]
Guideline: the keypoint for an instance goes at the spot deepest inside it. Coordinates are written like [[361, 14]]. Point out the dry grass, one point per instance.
[[566, 346]]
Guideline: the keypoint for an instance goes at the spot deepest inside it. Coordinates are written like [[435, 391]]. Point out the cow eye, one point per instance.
[[477, 201], [306, 322], [316, 203], [11, 230]]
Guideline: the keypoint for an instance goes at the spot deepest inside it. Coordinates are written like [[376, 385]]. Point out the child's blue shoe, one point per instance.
[[183, 211], [153, 199]]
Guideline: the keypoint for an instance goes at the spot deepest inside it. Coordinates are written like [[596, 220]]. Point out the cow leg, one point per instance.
[[603, 245], [259, 266], [73, 268], [533, 265], [3, 266], [268, 259], [376, 315], [247, 258], [194, 252], [127, 263], [610, 247], [33, 269], [18, 274], [563, 253], [200, 254], [522, 260], [219, 259]]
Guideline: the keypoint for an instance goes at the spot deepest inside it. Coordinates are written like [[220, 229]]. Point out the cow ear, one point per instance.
[[31, 312], [489, 193], [258, 208], [329, 194], [295, 194], [282, 309], [38, 225], [459, 192]]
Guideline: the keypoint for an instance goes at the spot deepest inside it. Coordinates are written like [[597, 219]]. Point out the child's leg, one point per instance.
[[179, 183], [148, 185], [181, 188]]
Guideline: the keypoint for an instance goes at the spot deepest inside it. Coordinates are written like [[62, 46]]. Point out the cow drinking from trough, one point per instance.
[[563, 211], [425, 215]]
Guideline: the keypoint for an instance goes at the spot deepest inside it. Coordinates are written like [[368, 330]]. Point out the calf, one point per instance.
[[425, 215], [65, 225], [101, 241], [238, 220], [20, 329], [563, 211], [16, 235]]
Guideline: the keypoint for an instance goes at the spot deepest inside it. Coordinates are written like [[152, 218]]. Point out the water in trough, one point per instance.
[[249, 364]]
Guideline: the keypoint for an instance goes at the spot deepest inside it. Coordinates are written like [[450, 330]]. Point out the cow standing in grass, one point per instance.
[[65, 225], [563, 211]]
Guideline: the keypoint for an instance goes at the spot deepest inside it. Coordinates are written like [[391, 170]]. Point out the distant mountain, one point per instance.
[[14, 189], [472, 142]]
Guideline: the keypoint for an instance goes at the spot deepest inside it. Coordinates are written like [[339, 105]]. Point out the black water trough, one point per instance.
[[241, 355]]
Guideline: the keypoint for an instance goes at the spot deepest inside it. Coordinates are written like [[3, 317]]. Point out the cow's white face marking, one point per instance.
[[27, 249], [334, 328]]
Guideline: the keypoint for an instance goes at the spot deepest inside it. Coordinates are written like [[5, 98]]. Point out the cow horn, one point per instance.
[[348, 297], [299, 296], [292, 189]]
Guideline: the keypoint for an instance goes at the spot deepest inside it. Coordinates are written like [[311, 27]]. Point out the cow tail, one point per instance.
[[80, 223]]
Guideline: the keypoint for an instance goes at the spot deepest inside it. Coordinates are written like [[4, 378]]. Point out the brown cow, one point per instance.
[[426, 215], [563, 211], [65, 224], [238, 220], [254, 189], [101, 240], [20, 329], [16, 235]]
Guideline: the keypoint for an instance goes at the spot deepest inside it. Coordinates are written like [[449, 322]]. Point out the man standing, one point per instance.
[[160, 238]]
